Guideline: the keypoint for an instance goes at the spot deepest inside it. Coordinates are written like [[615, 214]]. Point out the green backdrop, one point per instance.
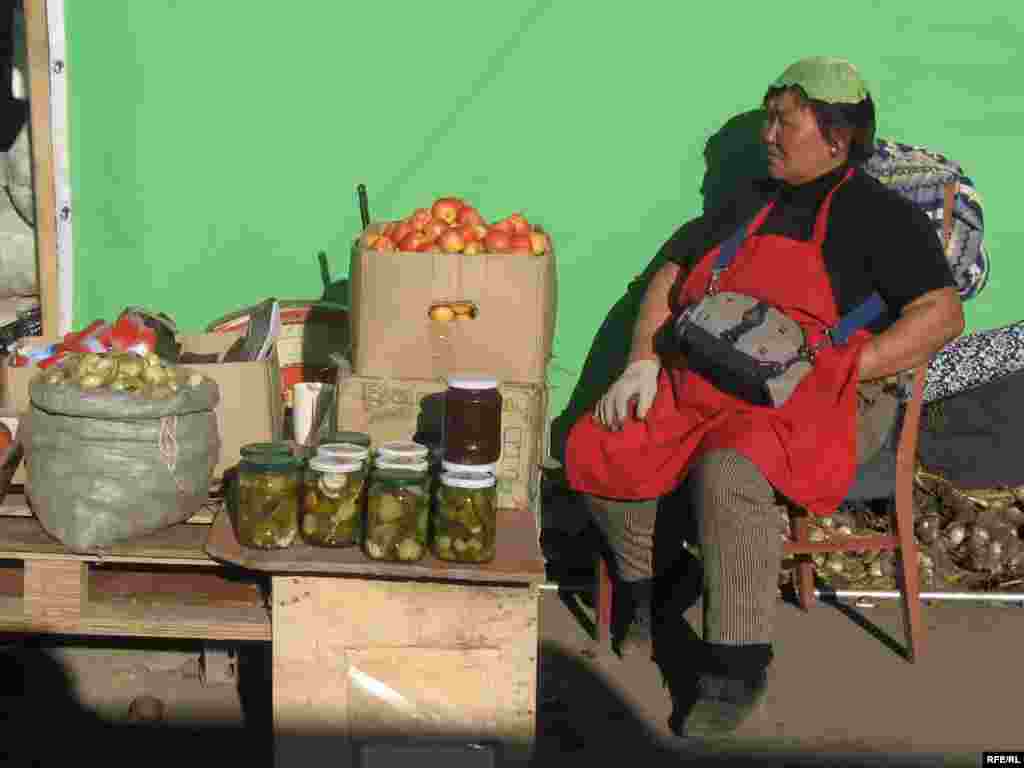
[[216, 146]]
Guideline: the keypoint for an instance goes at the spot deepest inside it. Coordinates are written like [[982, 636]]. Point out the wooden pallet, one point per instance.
[[160, 585]]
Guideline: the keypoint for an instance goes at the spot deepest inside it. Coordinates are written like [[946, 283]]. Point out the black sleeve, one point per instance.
[[906, 260]]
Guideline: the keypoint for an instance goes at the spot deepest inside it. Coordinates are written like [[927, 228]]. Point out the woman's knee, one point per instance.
[[725, 474]]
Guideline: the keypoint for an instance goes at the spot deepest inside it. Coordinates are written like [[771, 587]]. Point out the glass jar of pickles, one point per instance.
[[465, 519], [397, 510], [332, 501], [268, 496]]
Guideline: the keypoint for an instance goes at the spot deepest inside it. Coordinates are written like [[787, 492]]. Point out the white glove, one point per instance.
[[639, 380]]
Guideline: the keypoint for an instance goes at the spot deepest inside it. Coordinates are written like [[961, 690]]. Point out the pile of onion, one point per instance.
[[967, 540]]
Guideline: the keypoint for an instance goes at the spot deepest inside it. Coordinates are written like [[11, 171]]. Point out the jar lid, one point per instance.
[[401, 463], [333, 466], [349, 451], [272, 461], [472, 382], [260, 449], [403, 449], [357, 438], [469, 469], [467, 480]]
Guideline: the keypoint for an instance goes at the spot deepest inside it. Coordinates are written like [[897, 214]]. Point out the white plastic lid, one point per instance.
[[400, 462], [467, 480], [469, 469], [473, 382], [403, 448], [343, 451], [331, 466]]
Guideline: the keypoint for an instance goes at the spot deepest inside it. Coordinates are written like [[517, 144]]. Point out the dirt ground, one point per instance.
[[839, 695]]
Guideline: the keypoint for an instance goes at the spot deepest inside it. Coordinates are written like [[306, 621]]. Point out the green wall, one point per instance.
[[216, 146]]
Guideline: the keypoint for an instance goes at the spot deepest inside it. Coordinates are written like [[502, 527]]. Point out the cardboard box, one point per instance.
[[15, 386], [403, 409], [250, 409], [393, 337]]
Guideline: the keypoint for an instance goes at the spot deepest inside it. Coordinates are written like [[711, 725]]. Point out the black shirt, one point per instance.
[[876, 240]]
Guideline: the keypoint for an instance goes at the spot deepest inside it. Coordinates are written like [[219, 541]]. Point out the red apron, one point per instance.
[[806, 448]]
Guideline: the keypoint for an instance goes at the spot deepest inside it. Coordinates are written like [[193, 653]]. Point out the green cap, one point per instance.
[[834, 81]]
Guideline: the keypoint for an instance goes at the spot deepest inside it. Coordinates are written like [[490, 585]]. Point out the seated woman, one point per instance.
[[821, 237]]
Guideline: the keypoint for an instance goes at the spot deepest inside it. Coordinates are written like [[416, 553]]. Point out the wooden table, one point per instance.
[[363, 652], [366, 652]]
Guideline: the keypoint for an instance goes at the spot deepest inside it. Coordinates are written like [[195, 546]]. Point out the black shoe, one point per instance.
[[721, 705], [631, 618]]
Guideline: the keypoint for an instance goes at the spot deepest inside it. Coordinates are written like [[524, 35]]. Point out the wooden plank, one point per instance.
[[128, 619], [24, 539], [518, 558], [358, 661], [878, 543], [15, 504], [37, 49], [191, 584]]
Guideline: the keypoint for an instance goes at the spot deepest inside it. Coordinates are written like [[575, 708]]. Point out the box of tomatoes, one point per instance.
[[443, 291]]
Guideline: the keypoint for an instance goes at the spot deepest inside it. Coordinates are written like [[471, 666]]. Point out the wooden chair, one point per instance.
[[901, 539]]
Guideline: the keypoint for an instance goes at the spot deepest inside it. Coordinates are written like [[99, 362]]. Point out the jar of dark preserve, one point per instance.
[[472, 421]]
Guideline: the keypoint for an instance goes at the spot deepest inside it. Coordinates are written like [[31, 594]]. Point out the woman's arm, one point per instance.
[[654, 311], [924, 327]]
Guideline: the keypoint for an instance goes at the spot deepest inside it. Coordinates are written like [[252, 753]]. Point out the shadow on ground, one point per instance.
[[44, 723], [581, 721]]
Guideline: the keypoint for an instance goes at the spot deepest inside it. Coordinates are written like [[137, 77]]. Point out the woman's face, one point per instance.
[[797, 151]]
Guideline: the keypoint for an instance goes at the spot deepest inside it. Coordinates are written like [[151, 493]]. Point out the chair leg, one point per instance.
[[909, 573], [602, 601], [805, 566]]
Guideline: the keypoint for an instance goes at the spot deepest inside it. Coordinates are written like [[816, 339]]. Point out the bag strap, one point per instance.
[[728, 250], [859, 317]]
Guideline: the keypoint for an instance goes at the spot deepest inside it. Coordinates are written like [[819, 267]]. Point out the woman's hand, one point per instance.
[[924, 327], [640, 381]]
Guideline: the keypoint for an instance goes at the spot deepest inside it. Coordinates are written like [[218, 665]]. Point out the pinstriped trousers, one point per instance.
[[738, 521]]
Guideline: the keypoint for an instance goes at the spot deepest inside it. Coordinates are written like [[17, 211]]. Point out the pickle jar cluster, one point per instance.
[[334, 495], [398, 503], [269, 477]]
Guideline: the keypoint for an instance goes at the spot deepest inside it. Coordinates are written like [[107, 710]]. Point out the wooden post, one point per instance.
[[54, 593], [37, 48]]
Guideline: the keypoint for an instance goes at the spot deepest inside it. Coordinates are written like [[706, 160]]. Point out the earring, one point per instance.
[[834, 149]]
